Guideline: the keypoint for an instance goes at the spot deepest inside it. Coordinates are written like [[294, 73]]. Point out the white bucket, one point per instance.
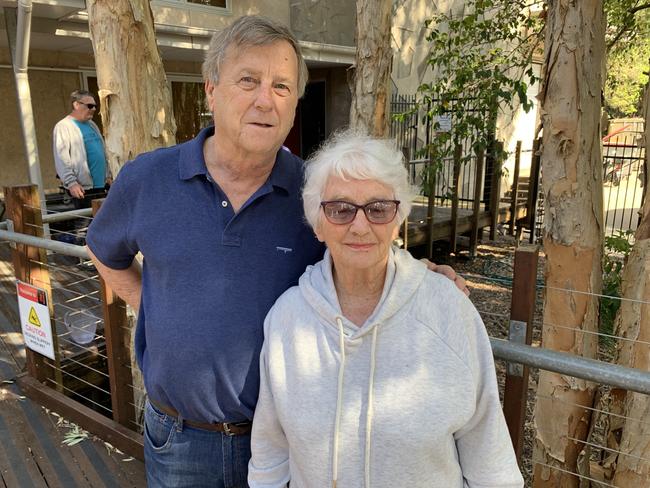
[[82, 326]]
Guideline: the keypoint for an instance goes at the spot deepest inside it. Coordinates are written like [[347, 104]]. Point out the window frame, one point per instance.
[[193, 6]]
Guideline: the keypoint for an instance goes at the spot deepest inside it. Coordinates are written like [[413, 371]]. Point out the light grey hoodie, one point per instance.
[[407, 400]]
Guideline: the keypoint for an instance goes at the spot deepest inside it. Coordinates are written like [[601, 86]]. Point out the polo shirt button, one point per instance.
[[224, 204]]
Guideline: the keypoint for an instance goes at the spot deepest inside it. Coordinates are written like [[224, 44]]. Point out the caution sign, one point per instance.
[[35, 319]]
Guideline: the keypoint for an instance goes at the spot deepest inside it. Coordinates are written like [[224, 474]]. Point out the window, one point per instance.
[[210, 3], [188, 99], [188, 102]]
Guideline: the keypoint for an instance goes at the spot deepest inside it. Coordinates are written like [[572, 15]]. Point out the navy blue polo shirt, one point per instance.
[[209, 276]]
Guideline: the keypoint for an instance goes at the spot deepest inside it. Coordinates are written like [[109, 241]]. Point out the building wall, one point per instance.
[[410, 47], [410, 70], [328, 22], [50, 90], [54, 75], [201, 17]]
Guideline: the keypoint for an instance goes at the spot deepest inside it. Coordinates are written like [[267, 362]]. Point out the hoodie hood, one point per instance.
[[403, 277]]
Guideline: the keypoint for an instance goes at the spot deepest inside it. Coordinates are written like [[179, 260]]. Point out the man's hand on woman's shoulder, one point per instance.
[[448, 272]]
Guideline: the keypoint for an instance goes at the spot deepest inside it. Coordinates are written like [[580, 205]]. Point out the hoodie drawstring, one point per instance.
[[339, 406], [369, 410], [339, 402]]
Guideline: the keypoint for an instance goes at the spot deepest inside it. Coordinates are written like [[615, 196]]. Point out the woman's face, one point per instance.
[[359, 245]]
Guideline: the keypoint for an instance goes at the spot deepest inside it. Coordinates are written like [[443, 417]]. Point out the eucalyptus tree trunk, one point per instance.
[[136, 106], [632, 467], [369, 80], [135, 101], [572, 184]]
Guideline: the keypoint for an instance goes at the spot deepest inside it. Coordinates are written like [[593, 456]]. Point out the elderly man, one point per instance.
[[220, 225], [79, 154]]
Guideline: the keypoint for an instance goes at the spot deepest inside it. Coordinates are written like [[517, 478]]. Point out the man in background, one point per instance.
[[79, 153]]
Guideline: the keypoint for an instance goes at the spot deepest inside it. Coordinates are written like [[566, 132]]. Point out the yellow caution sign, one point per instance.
[[33, 317]]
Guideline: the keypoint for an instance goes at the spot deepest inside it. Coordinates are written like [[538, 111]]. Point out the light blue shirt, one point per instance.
[[95, 155]]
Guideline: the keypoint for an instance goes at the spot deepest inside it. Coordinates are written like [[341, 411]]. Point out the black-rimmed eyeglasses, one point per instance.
[[91, 106], [377, 212]]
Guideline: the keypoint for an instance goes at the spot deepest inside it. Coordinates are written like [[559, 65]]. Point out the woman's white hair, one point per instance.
[[351, 155]]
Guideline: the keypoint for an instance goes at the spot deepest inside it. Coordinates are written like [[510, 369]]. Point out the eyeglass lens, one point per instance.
[[377, 212]]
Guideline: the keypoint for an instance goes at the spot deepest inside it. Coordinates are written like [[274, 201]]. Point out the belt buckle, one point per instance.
[[226, 430]]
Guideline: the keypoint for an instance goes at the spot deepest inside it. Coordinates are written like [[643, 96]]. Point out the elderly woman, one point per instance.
[[374, 372]]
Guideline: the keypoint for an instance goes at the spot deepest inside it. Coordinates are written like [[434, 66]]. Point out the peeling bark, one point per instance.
[[633, 323], [572, 183], [369, 79], [135, 101]]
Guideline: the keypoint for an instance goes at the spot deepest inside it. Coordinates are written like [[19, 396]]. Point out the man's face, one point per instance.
[[254, 102], [84, 109]]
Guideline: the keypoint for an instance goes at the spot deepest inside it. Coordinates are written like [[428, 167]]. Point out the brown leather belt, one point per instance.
[[228, 428]]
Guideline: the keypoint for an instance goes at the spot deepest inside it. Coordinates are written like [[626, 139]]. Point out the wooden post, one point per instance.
[[30, 265], [533, 189], [515, 190], [454, 198], [521, 330], [478, 192], [495, 190], [117, 352]]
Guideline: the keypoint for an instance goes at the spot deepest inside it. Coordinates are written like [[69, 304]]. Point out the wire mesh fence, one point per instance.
[[616, 435], [93, 362]]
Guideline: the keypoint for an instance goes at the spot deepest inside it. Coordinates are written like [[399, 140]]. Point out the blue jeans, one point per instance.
[[180, 456]]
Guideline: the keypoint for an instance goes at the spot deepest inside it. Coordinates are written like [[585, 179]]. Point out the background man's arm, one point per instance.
[[62, 162], [127, 283]]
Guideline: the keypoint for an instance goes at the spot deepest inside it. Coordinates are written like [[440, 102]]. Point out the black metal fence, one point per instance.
[[413, 132], [623, 182]]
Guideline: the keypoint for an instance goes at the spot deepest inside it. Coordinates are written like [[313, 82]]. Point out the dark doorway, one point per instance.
[[312, 118], [293, 138]]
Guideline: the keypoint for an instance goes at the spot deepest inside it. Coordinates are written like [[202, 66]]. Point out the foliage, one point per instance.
[[481, 63], [628, 42], [617, 249]]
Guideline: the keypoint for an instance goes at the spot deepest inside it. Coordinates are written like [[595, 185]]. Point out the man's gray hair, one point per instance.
[[351, 155], [246, 31], [78, 95]]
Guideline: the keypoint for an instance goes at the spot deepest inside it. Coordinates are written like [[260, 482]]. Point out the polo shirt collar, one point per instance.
[[192, 162], [281, 174]]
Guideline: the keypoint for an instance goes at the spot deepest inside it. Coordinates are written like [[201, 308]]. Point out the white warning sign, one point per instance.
[[35, 319]]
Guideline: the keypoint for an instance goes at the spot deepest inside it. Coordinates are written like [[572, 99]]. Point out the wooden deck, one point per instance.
[[417, 223], [32, 452]]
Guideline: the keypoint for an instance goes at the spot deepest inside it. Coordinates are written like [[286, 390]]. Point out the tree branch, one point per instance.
[[627, 23]]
